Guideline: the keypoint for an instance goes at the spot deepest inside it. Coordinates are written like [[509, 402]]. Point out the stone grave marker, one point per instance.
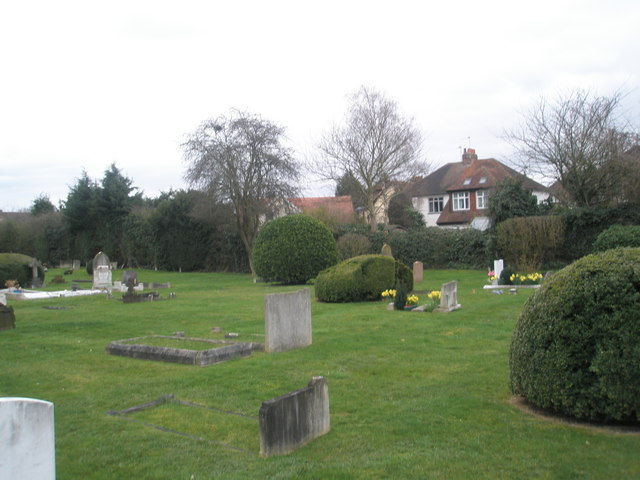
[[27, 439], [7, 315], [36, 281], [129, 274], [76, 265], [498, 266], [294, 419], [287, 320], [448, 297], [102, 276], [386, 250], [418, 271]]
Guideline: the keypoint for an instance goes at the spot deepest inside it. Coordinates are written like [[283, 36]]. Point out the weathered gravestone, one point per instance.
[[418, 270], [294, 419], [76, 265], [386, 251], [102, 277], [36, 281], [130, 276], [498, 266], [27, 439], [7, 316], [287, 320], [448, 297]]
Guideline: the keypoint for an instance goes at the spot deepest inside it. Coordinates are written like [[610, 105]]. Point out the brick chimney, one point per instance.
[[469, 156]]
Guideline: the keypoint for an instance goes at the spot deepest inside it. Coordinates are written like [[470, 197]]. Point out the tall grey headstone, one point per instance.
[[27, 439], [448, 297], [287, 320], [294, 419], [418, 270]]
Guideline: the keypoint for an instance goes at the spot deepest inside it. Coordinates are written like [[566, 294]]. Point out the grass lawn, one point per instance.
[[412, 395]]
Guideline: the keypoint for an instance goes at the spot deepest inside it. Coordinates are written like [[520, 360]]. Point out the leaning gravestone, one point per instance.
[[27, 439], [294, 419], [448, 297], [102, 277], [287, 320]]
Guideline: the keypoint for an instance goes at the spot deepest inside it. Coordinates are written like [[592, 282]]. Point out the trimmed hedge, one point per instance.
[[361, 278], [618, 236], [576, 345], [293, 249], [15, 266]]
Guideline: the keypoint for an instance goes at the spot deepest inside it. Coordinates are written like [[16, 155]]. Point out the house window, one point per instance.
[[436, 204], [483, 180], [482, 199], [467, 181], [461, 201]]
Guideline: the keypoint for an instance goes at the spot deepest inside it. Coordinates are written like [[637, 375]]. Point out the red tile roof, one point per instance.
[[340, 207]]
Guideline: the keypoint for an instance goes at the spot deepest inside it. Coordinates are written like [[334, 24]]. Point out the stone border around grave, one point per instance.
[[507, 287], [179, 355]]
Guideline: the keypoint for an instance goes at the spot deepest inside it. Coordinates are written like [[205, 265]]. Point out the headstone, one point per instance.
[[417, 271], [36, 281], [3, 298], [76, 265], [101, 271], [287, 320], [448, 297], [130, 274], [386, 251], [7, 317], [294, 419], [498, 266], [27, 439]]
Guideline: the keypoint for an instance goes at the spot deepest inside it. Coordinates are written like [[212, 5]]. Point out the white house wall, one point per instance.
[[421, 204]]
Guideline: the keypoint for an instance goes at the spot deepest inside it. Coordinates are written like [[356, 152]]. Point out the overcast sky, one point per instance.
[[84, 84]]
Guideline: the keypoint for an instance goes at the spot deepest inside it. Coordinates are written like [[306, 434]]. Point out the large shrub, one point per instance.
[[353, 244], [618, 236], [15, 266], [293, 249], [529, 243], [361, 278], [576, 345]]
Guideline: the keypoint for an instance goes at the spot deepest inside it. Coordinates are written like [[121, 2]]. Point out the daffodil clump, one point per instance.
[[413, 300], [388, 294], [529, 279], [434, 300]]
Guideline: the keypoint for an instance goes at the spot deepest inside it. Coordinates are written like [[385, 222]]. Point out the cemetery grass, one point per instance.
[[412, 395]]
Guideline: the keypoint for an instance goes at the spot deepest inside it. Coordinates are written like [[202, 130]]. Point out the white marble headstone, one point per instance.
[[27, 439]]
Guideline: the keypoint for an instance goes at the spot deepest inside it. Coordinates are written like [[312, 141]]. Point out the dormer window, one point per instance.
[[467, 181], [482, 180]]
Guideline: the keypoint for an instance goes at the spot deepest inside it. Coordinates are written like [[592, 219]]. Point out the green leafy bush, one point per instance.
[[576, 345], [528, 243], [353, 244], [15, 266], [618, 236], [293, 249], [361, 278]]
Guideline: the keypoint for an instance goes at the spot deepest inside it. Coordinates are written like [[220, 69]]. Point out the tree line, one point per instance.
[[241, 173]]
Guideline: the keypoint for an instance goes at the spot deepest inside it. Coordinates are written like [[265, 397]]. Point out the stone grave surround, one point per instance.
[[27, 439]]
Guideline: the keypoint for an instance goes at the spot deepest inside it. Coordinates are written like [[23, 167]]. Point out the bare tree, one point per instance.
[[374, 147], [578, 141], [241, 160]]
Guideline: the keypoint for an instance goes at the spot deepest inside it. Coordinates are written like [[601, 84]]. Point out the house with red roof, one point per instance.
[[339, 208], [457, 194]]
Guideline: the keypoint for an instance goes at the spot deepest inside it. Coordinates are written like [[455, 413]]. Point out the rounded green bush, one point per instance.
[[576, 345], [618, 236], [361, 278], [15, 266], [293, 249]]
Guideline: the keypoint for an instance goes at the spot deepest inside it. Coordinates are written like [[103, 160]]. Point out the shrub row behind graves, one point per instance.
[[529, 243], [361, 278], [618, 236], [293, 249], [15, 266], [576, 345]]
